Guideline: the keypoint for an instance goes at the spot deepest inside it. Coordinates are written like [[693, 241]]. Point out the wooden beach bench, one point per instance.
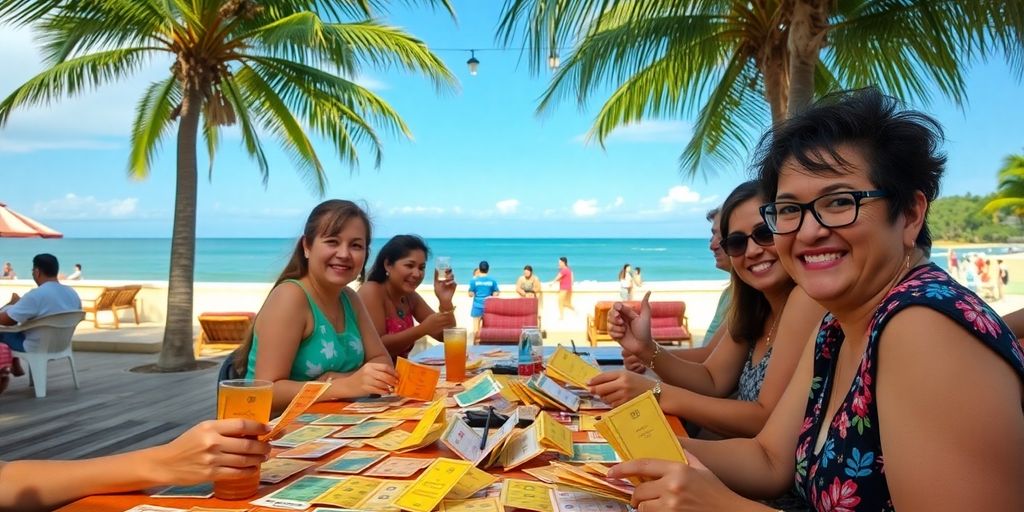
[[223, 331], [669, 324], [114, 299]]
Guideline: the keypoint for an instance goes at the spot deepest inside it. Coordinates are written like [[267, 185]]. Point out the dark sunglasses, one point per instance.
[[736, 243]]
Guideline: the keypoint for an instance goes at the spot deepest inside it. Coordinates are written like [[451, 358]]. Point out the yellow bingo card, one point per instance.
[[526, 494], [432, 486]]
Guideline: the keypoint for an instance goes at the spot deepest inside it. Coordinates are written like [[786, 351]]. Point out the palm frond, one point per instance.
[[152, 119], [250, 137], [73, 76], [274, 115]]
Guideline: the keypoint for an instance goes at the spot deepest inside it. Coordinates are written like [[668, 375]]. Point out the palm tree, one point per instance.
[[277, 68], [1010, 194], [737, 64]]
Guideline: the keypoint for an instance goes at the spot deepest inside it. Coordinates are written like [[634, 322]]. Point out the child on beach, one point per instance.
[[312, 325], [389, 294]]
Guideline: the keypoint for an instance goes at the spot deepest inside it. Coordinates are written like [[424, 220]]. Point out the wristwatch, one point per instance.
[[657, 391]]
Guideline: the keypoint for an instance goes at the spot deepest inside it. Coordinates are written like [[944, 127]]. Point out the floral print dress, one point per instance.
[[848, 475]]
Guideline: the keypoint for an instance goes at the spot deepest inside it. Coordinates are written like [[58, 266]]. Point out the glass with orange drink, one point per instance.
[[455, 354], [246, 399]]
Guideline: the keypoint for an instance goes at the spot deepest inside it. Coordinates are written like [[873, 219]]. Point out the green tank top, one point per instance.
[[324, 350]]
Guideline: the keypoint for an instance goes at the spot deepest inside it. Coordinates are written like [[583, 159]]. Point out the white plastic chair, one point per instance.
[[53, 333]]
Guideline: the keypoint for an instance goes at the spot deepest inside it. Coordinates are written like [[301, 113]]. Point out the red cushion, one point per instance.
[[670, 333], [500, 334]]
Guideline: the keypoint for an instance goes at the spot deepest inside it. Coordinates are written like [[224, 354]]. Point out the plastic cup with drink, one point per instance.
[[455, 354], [443, 264], [247, 399]]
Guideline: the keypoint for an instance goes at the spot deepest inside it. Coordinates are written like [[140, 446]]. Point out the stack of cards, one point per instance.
[[638, 429], [570, 368], [545, 434], [542, 391], [592, 479]]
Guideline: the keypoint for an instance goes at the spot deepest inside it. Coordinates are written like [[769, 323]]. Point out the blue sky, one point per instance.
[[481, 164]]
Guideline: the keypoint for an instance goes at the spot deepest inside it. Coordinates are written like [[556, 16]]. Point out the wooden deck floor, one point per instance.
[[114, 411]]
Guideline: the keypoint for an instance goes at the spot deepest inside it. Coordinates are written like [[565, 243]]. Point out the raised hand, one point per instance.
[[678, 487], [444, 286], [438, 321], [633, 330], [213, 450], [618, 387]]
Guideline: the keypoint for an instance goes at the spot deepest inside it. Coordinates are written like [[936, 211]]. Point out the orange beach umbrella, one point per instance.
[[16, 225]]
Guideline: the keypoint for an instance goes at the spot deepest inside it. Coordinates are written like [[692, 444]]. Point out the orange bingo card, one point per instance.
[[416, 381], [306, 397]]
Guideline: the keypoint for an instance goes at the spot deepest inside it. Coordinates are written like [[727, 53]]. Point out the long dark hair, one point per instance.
[[327, 219], [397, 248], [749, 309]]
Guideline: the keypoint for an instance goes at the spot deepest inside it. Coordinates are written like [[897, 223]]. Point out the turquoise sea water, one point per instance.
[[260, 260]]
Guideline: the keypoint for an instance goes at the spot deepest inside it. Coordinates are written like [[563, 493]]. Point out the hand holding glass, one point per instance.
[[247, 399], [443, 265]]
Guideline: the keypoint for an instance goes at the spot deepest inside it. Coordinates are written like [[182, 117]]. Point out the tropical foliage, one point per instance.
[[738, 64], [1010, 193], [279, 69], [962, 219]]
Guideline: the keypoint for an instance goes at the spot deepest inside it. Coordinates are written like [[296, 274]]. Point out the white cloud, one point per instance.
[[371, 83], [677, 195], [24, 145], [417, 210], [678, 132], [585, 207], [618, 202], [72, 206], [507, 206]]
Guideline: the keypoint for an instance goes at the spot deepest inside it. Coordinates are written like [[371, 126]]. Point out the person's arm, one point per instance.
[[212, 450], [1016, 322], [6, 319], [372, 347], [495, 291], [20, 309], [949, 410], [431, 323], [372, 296]]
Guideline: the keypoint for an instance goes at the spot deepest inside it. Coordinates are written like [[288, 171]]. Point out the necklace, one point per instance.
[[771, 332], [398, 310]]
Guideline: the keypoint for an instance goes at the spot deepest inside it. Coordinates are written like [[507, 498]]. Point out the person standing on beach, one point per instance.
[[953, 264], [481, 287], [77, 274], [8, 272], [626, 283], [564, 280], [312, 325], [638, 281]]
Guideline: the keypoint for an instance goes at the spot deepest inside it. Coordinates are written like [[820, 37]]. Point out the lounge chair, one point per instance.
[[113, 300], [53, 333], [223, 331], [669, 325], [504, 319]]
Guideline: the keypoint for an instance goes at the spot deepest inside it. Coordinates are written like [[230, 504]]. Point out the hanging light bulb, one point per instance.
[[554, 61], [472, 62]]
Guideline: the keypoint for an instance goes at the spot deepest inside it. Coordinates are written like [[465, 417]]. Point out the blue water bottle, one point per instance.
[[525, 359]]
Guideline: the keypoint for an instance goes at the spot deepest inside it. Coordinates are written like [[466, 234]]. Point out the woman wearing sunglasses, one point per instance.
[[759, 353], [910, 396]]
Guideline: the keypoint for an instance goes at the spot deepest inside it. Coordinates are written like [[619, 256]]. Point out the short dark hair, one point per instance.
[[710, 216], [900, 145], [563, 259], [47, 264], [484, 266], [78, 266], [395, 249], [530, 267]]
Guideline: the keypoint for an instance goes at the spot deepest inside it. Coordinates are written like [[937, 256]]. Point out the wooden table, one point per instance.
[[121, 502]]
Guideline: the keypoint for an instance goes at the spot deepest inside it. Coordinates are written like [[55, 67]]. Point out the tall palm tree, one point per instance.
[[738, 64], [1010, 193], [278, 68]]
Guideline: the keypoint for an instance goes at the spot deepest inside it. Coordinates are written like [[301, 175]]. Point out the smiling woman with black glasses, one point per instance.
[[909, 396], [734, 390]]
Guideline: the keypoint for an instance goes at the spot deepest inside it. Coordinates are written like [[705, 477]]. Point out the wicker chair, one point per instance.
[[223, 331]]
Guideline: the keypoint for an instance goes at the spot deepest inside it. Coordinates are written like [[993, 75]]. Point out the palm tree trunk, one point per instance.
[[776, 78], [807, 31], [176, 354]]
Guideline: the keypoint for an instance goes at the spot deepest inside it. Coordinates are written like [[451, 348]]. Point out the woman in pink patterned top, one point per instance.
[[389, 294]]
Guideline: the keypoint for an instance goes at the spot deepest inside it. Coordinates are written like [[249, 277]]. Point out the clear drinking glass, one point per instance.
[[247, 399], [443, 265]]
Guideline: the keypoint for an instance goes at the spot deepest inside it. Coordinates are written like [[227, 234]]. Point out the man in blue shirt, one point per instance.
[[481, 287]]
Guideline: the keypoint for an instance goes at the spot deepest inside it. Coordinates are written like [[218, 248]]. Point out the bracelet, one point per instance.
[[657, 350]]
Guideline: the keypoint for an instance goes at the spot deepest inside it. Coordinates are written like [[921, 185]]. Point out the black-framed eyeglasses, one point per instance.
[[833, 210], [736, 243]]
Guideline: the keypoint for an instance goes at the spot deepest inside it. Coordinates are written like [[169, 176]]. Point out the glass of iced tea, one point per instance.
[[247, 399], [455, 354]]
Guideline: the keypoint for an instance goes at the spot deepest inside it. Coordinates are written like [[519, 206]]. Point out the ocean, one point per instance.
[[261, 259]]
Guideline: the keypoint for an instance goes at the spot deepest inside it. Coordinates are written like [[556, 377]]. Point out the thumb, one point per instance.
[[625, 312], [645, 307]]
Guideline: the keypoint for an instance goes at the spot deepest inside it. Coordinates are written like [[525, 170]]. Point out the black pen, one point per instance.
[[573, 346], [487, 426]]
